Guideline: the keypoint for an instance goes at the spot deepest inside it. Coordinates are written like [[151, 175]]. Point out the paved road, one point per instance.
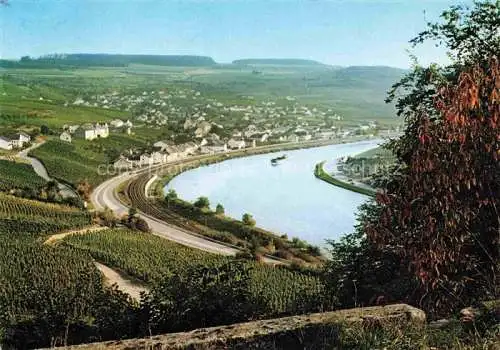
[[39, 168], [105, 196]]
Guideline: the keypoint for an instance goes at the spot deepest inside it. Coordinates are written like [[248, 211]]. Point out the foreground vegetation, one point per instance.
[[152, 259]]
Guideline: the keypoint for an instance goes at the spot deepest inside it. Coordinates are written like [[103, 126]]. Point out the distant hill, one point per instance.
[[372, 71], [107, 60], [278, 61]]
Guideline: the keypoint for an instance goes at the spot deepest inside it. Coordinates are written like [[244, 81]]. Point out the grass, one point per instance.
[[321, 174], [142, 255], [358, 94]]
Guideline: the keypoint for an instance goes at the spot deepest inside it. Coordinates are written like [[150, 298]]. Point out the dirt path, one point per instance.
[[58, 236], [124, 284]]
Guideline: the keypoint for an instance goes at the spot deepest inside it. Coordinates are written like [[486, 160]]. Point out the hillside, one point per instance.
[[107, 60], [278, 61]]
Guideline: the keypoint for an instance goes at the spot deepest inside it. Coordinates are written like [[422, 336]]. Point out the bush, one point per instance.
[[202, 203], [219, 209], [248, 219]]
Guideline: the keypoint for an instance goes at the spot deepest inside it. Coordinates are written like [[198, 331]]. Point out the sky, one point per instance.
[[337, 32]]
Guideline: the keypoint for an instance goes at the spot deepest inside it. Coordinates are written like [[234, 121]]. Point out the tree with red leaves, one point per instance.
[[441, 212], [431, 238]]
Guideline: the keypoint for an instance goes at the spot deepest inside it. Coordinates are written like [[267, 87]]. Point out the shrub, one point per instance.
[[202, 203], [219, 209], [248, 219]]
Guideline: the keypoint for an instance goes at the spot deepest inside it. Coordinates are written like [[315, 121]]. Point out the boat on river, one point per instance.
[[275, 161]]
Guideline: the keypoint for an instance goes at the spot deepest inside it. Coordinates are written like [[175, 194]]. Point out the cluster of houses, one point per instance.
[[15, 141], [165, 152], [91, 132]]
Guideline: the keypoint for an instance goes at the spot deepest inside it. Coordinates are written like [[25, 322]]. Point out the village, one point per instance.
[[204, 125], [265, 120]]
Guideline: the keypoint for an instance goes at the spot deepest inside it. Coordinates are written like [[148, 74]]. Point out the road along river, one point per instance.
[[285, 198]]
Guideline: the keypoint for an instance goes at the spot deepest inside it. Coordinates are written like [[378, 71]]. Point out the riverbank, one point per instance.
[[321, 174], [284, 199]]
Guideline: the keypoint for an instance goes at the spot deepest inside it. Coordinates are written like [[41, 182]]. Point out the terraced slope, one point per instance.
[[276, 290], [19, 176], [19, 216]]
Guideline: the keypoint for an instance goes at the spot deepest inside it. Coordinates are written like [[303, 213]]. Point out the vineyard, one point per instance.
[[277, 289], [65, 161], [141, 255], [85, 160], [52, 296], [25, 216], [19, 176]]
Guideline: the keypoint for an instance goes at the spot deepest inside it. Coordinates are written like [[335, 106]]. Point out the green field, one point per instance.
[[355, 92]]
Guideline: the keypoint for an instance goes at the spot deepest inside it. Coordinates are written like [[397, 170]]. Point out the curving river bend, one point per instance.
[[286, 198]]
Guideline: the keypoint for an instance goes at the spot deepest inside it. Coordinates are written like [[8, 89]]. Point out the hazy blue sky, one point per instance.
[[349, 32]]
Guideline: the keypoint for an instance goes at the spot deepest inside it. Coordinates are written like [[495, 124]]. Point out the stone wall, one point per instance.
[[312, 331]]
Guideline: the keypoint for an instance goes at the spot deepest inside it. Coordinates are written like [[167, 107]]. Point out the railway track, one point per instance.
[[135, 193]]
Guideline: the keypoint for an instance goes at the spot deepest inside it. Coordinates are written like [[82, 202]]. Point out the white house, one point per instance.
[[123, 163], [117, 123], [158, 157], [202, 129], [215, 148], [14, 141], [145, 160], [92, 132], [73, 128], [21, 139], [162, 145], [5, 143], [236, 144], [65, 136]]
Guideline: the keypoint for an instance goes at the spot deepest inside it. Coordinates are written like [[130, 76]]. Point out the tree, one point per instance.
[[438, 213], [107, 217], [219, 209], [171, 195], [84, 189], [44, 130], [248, 219], [202, 203], [360, 273], [441, 212]]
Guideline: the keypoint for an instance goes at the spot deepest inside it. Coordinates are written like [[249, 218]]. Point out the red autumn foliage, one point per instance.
[[442, 212]]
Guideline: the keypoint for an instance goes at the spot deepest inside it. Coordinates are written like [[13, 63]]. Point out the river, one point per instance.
[[286, 198]]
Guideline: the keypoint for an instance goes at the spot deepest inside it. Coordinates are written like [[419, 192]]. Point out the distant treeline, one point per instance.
[[279, 61], [105, 60]]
